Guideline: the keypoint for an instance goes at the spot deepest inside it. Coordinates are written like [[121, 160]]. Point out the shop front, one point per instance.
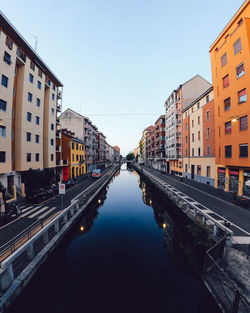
[[246, 185], [233, 180], [221, 171]]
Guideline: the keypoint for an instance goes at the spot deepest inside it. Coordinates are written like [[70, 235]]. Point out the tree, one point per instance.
[[140, 145], [130, 156]]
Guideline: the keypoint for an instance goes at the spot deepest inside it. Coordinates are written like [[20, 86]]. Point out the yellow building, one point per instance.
[[73, 150]]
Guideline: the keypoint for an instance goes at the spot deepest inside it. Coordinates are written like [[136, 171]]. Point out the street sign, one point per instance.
[[61, 189]]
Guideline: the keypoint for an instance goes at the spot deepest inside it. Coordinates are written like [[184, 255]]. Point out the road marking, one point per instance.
[[241, 240], [46, 213], [27, 208], [38, 212]]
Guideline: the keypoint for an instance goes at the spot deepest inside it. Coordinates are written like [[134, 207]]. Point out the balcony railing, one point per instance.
[[58, 148], [58, 107], [57, 120], [59, 94]]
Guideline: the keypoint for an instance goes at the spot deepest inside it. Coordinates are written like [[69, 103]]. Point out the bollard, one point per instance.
[[215, 230]]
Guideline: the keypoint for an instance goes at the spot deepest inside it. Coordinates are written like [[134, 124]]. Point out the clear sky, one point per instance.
[[122, 56]]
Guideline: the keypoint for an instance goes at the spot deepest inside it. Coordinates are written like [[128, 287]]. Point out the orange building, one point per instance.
[[230, 61]]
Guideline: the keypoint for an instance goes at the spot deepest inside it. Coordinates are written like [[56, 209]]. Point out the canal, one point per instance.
[[122, 256]]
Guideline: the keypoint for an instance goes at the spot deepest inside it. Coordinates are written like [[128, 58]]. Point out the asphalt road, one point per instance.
[[32, 213]]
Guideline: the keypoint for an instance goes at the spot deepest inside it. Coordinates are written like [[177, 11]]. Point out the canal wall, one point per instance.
[[229, 291], [17, 269]]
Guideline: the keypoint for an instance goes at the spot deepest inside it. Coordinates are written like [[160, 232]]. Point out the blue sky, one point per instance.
[[122, 56]]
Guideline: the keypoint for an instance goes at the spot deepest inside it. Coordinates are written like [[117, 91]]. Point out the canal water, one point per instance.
[[122, 256]]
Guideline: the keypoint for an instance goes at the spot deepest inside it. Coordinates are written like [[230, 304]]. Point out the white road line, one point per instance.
[[46, 213], [241, 240], [38, 212], [27, 208], [30, 211]]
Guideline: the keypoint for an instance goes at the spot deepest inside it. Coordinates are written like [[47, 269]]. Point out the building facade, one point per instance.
[[177, 101], [230, 61], [30, 99], [198, 140], [73, 150]]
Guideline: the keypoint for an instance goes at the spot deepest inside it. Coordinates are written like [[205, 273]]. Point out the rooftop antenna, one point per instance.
[[36, 42]]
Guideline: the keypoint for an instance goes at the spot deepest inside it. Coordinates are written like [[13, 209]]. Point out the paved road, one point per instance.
[[32, 213], [237, 216]]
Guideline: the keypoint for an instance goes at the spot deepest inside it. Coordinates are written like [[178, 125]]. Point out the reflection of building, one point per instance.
[[198, 140], [177, 101], [231, 80], [168, 234], [30, 99], [73, 150]]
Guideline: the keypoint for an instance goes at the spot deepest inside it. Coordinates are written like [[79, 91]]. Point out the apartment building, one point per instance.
[[198, 141], [144, 142], [150, 147], [178, 100], [160, 140], [230, 62], [30, 99], [73, 150], [101, 157]]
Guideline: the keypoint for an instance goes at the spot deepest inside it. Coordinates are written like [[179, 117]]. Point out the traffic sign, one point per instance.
[[62, 189]]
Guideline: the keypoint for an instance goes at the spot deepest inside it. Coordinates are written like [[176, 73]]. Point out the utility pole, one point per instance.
[[36, 42]]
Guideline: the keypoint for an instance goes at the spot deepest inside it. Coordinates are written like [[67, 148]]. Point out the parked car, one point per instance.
[[96, 173], [69, 184], [38, 196]]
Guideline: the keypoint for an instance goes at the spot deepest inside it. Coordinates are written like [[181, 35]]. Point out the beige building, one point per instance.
[[30, 99], [198, 139]]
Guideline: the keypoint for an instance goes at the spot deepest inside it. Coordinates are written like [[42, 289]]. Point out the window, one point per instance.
[[32, 65], [73, 157], [39, 84], [199, 151], [208, 132], [2, 131], [208, 115], [29, 116], [228, 127], [243, 123], [38, 102], [207, 98], [9, 43], [192, 137], [28, 136], [240, 70], [186, 167], [52, 111], [7, 58], [37, 157], [242, 96], [199, 120], [223, 59], [227, 104], [37, 138], [2, 156], [198, 170], [186, 139], [40, 74], [3, 105], [53, 96], [208, 150], [29, 97], [5, 81], [186, 126], [52, 142], [208, 171], [219, 152], [192, 110], [52, 126], [228, 151], [73, 146], [37, 120], [28, 157], [199, 135], [244, 150], [54, 87], [77, 146], [77, 157], [192, 123], [237, 46], [31, 78], [198, 105], [52, 157], [225, 81], [192, 151]]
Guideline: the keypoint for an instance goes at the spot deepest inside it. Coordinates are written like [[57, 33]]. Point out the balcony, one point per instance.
[[58, 148], [58, 134], [59, 107], [59, 94], [21, 57], [57, 120]]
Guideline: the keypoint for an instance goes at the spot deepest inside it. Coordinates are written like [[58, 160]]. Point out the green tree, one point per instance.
[[140, 145], [130, 156]]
